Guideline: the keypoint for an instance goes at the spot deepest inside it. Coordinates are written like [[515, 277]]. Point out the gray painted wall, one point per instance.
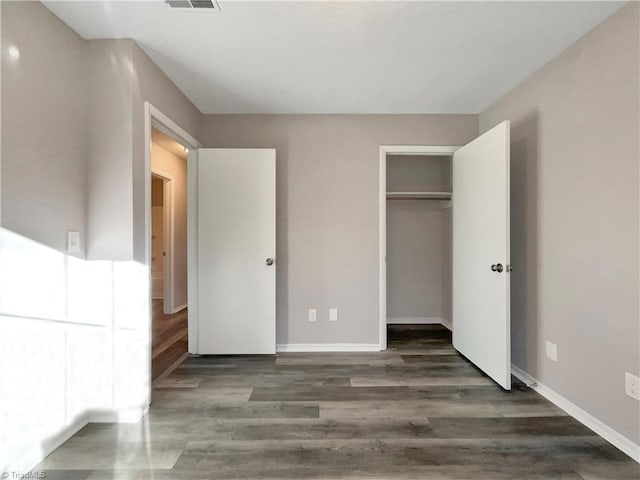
[[109, 194], [417, 245], [327, 209], [69, 157], [418, 240], [575, 190], [73, 134], [575, 215], [123, 79], [44, 149]]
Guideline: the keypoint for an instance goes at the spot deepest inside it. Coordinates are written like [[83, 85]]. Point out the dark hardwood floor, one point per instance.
[[417, 411], [170, 341]]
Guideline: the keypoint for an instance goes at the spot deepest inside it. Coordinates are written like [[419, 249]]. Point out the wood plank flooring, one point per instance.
[[170, 338], [416, 411]]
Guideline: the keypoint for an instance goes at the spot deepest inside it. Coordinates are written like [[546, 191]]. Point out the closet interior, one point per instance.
[[419, 239]]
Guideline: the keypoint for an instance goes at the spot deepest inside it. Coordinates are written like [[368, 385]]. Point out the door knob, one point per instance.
[[269, 261], [497, 267]]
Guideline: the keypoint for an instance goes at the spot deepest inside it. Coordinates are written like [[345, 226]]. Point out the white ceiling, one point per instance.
[[343, 57]]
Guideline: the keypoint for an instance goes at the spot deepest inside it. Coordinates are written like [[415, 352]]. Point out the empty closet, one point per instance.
[[444, 244], [418, 213]]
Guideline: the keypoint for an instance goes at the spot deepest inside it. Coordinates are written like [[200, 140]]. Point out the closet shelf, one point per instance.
[[419, 195]]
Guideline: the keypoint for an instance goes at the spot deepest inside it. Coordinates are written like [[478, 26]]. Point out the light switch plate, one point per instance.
[[552, 351], [333, 314], [73, 241]]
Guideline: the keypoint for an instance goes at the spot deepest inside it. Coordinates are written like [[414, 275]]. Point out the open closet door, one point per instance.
[[481, 261], [233, 224]]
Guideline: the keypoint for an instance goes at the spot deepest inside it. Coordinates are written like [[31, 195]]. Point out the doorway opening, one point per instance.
[[168, 252], [418, 211], [166, 187], [449, 266], [415, 237]]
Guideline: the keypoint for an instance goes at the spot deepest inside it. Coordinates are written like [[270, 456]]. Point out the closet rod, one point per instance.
[[419, 195]]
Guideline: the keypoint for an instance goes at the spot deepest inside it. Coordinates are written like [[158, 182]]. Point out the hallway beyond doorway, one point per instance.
[[169, 343]]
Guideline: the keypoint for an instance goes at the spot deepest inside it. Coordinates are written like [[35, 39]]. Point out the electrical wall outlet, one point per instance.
[[632, 385], [313, 315], [333, 314], [552, 351]]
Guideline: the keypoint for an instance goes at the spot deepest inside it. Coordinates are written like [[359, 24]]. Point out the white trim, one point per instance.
[[327, 347], [126, 415], [414, 320], [418, 150], [609, 434], [179, 308], [171, 368], [48, 446], [382, 212], [154, 118], [446, 323], [167, 126]]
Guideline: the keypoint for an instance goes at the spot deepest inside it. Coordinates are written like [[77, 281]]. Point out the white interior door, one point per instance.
[[236, 245], [481, 261]]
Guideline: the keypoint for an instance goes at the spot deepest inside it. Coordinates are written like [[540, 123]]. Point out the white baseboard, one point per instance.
[[179, 308], [447, 324], [328, 347], [169, 370], [414, 320], [609, 434], [47, 447], [129, 415]]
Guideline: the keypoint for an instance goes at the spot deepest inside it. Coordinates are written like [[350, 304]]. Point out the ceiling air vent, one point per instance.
[[194, 4]]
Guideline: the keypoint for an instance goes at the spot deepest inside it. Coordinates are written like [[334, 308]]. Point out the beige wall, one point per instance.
[[44, 147], [170, 163], [327, 209], [575, 150]]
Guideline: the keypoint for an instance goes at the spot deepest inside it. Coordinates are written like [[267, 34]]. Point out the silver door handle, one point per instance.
[[269, 261], [497, 267]]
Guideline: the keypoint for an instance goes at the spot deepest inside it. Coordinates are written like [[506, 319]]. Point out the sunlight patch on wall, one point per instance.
[[74, 346], [32, 279]]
